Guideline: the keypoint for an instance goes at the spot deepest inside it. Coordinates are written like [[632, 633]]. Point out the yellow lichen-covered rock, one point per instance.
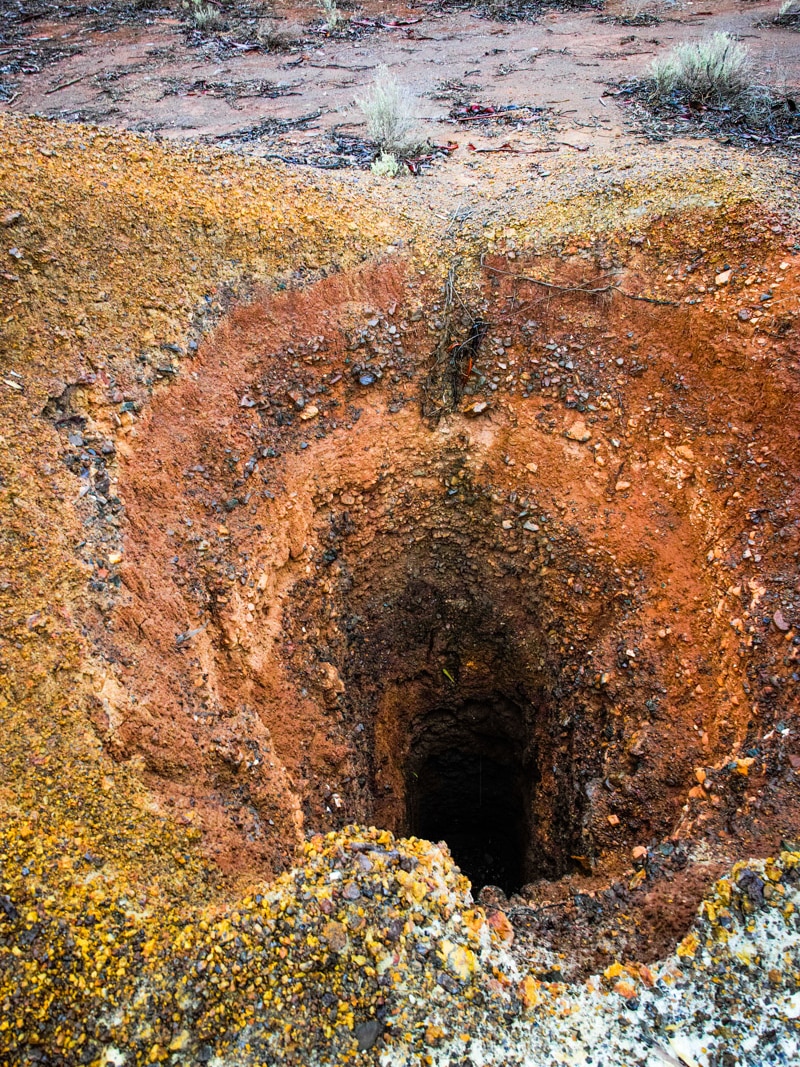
[[689, 946], [529, 991], [459, 960]]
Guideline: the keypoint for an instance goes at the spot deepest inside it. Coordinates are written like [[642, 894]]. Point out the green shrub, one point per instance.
[[205, 16], [387, 166], [717, 71], [389, 109]]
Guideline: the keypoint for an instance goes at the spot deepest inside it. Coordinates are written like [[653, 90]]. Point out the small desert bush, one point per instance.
[[717, 71], [205, 16], [330, 12], [387, 166], [711, 71], [389, 109]]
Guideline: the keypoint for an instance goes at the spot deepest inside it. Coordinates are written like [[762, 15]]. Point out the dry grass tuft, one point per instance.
[[205, 16], [390, 111], [717, 71], [331, 13]]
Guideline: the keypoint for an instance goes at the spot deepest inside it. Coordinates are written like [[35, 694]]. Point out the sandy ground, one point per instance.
[[148, 77]]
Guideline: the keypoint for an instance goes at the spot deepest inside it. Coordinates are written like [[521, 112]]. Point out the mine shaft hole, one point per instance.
[[466, 784]]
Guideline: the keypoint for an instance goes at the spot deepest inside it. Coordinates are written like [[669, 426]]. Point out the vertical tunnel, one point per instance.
[[467, 783]]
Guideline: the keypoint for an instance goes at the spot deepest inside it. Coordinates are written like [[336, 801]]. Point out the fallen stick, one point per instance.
[[518, 151], [578, 288], [66, 85], [341, 66]]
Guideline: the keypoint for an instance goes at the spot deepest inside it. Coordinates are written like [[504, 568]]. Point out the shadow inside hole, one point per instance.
[[469, 789]]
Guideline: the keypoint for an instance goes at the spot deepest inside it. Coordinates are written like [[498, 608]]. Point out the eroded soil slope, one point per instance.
[[319, 579], [307, 513]]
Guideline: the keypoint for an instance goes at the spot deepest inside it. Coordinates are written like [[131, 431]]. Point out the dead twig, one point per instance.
[[341, 66], [516, 151], [74, 81], [452, 360], [578, 288]]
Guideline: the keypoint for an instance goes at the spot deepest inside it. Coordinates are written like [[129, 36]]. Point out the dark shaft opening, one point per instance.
[[468, 788]]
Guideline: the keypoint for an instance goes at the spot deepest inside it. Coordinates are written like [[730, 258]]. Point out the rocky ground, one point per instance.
[[499, 461]]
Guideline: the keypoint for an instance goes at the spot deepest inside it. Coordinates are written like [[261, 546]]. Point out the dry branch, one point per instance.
[[611, 288]]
